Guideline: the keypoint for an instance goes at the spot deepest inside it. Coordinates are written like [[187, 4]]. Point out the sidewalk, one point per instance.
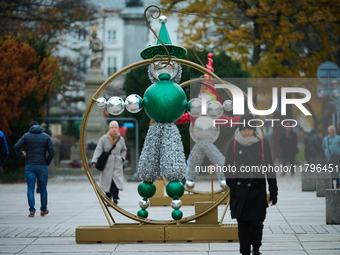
[[296, 225]]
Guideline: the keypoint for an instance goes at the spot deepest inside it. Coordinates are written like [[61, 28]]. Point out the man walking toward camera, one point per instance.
[[37, 143], [331, 147]]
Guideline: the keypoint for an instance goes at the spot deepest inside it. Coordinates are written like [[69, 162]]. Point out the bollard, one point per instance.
[[333, 206], [323, 182], [308, 181]]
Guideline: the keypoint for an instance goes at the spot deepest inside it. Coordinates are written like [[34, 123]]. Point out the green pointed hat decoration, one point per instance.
[[158, 49], [164, 35]]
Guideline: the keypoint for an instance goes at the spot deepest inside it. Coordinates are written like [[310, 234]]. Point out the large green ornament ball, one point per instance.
[[143, 213], [177, 214], [164, 101], [146, 189], [175, 189]]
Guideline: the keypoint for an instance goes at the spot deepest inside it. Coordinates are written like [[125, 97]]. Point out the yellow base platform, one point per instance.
[[133, 233]]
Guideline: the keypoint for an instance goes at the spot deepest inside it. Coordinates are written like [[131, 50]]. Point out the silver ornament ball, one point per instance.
[[176, 203], [144, 203], [214, 109], [223, 184], [203, 128], [101, 102], [228, 105], [190, 184], [133, 103], [173, 69], [115, 105], [195, 106], [163, 19]]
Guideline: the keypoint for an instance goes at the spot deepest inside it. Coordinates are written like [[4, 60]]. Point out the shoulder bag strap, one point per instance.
[[234, 149], [329, 148], [262, 148]]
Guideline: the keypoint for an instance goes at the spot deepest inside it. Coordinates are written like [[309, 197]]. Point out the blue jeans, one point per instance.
[[39, 172]]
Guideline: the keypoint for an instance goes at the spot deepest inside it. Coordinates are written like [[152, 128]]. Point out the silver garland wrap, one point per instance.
[[162, 153], [172, 158], [201, 148], [148, 165], [195, 159]]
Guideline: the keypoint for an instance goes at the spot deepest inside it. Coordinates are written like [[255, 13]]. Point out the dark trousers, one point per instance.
[[113, 191], [250, 233], [288, 158]]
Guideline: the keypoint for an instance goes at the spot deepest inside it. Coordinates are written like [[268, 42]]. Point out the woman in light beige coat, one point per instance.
[[111, 178]]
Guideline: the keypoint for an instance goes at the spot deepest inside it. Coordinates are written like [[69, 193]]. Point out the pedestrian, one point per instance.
[[331, 147], [3, 150], [37, 143], [313, 148], [248, 197], [111, 178], [288, 146]]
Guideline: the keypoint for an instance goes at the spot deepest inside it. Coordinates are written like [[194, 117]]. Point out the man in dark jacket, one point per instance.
[[313, 148], [37, 143], [288, 146], [3, 150]]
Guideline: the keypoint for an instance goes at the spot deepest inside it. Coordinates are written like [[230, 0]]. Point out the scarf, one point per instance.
[[249, 140], [113, 138]]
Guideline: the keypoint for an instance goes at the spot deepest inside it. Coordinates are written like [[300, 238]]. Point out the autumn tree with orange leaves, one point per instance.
[[25, 82], [26, 78]]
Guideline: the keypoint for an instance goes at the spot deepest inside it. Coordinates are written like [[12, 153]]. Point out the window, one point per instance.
[[111, 65], [111, 35]]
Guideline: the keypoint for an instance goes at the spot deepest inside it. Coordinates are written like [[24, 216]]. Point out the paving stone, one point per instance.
[[298, 229], [287, 229], [308, 229], [319, 229], [330, 229], [16, 241], [276, 229], [11, 249], [331, 238]]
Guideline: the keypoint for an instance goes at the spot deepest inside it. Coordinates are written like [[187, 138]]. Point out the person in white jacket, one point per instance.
[[111, 178]]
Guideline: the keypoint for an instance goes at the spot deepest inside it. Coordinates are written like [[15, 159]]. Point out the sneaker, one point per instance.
[[115, 201], [44, 213], [31, 214]]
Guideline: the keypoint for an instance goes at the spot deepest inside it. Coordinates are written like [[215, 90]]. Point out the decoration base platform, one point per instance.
[[137, 233]]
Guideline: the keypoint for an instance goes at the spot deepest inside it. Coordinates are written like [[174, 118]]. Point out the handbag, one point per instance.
[[101, 162]]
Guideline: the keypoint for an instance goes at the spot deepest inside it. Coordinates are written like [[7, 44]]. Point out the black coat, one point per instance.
[[288, 144], [248, 197], [313, 145]]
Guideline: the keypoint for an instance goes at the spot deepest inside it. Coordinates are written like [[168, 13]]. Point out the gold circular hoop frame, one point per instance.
[[99, 193]]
